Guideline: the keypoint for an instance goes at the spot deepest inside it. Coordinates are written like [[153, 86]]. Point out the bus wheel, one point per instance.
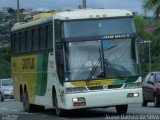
[[59, 111], [21, 94], [26, 106], [122, 109], [1, 97]]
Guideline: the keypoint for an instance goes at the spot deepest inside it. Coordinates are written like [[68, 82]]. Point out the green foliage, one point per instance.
[[5, 53], [155, 44], [5, 62], [152, 5], [139, 22]]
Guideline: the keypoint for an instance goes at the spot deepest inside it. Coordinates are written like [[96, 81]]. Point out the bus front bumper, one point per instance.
[[103, 98]]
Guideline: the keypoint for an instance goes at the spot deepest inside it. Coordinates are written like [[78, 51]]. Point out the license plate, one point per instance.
[[79, 104]]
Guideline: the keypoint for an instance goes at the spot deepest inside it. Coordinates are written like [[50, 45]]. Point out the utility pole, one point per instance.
[[17, 10], [149, 43], [84, 4], [149, 54]]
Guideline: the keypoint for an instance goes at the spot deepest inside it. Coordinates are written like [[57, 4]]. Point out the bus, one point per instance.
[[77, 59]]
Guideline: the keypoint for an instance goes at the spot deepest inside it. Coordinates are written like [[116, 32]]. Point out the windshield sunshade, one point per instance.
[[98, 27]]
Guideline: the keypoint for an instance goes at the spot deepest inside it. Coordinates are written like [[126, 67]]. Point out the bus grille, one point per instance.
[[95, 87], [101, 87], [115, 86]]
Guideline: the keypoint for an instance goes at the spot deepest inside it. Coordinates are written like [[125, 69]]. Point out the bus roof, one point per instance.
[[75, 14], [91, 13]]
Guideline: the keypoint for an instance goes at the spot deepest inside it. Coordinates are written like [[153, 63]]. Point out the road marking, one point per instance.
[[3, 109], [14, 110]]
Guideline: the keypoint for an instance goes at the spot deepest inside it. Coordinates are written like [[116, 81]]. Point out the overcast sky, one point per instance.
[[132, 5]]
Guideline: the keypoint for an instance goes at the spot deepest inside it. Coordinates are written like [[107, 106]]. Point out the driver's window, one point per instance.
[[157, 77], [151, 80]]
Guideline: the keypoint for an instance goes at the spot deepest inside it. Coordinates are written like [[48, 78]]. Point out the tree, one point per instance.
[[5, 62], [152, 5]]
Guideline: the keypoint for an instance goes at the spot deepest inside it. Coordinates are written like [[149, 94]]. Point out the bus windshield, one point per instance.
[[101, 59], [120, 58]]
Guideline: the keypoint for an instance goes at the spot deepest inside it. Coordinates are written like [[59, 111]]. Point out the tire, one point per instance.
[[30, 107], [122, 109], [144, 103], [26, 106], [59, 112], [1, 98], [21, 96], [156, 102], [38, 108]]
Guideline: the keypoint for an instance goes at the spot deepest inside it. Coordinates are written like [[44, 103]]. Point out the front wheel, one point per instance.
[[122, 109], [59, 112]]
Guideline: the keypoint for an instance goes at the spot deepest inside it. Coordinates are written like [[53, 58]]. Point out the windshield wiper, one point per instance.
[[94, 69], [110, 48]]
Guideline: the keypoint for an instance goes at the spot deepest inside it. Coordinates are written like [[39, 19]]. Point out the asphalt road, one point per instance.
[[12, 110]]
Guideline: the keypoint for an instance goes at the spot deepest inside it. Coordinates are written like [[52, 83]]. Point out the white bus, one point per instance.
[[77, 59]]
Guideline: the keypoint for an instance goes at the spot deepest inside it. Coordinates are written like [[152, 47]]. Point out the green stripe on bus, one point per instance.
[[41, 83], [126, 80]]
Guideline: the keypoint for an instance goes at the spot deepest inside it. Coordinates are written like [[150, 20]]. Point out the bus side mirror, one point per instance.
[[141, 49], [59, 46]]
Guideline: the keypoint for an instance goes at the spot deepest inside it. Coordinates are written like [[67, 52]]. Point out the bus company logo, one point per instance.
[[93, 83], [28, 63], [116, 36]]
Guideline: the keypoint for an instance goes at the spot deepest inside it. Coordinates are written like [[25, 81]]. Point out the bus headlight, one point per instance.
[[133, 95], [133, 85], [75, 90], [79, 101]]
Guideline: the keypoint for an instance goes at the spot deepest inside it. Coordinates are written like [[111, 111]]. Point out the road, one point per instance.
[[12, 110]]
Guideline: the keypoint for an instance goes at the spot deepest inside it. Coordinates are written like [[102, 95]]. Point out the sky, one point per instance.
[[132, 5]]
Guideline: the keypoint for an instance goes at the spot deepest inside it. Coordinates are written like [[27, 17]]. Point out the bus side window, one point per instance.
[[42, 38], [50, 37], [29, 40], [57, 30], [23, 41], [20, 41], [13, 43], [35, 39], [60, 62], [16, 43]]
